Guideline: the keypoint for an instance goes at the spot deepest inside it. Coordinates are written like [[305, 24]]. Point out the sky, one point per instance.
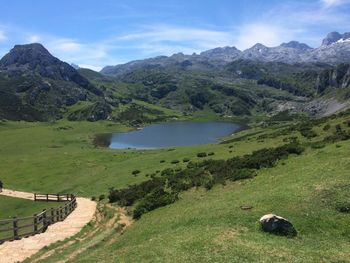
[[94, 34]]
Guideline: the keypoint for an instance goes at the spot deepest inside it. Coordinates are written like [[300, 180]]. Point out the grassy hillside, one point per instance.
[[210, 226], [311, 190], [62, 157], [10, 207]]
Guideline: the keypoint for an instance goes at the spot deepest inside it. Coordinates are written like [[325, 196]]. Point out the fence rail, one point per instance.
[[17, 228]]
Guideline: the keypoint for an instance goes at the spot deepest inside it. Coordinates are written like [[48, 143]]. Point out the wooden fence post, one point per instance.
[[35, 221], [15, 228], [52, 214], [44, 220], [34, 196], [57, 215], [65, 211], [62, 213], [47, 198]]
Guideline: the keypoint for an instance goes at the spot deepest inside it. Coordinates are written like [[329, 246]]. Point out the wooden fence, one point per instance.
[[17, 228]]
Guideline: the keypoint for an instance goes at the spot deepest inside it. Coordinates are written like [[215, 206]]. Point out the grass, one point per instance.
[[62, 158], [10, 207], [205, 226], [209, 226]]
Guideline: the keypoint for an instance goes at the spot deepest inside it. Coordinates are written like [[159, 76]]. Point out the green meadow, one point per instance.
[[11, 207], [203, 225]]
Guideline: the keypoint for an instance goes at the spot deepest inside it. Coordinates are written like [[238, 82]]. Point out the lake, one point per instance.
[[169, 134]]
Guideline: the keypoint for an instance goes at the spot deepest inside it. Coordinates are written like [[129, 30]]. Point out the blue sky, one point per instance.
[[94, 33]]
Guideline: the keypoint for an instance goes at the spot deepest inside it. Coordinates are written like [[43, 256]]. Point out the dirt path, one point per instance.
[[110, 222], [23, 195], [19, 250]]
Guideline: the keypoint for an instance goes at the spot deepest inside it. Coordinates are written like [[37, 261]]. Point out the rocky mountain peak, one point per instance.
[[35, 59], [336, 37], [30, 55], [296, 45]]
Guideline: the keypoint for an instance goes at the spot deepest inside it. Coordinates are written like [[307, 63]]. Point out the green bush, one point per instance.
[[318, 145], [175, 161], [211, 154], [136, 172], [343, 207], [307, 131], [163, 190], [186, 160], [155, 199], [201, 154], [127, 196], [326, 127], [338, 135]]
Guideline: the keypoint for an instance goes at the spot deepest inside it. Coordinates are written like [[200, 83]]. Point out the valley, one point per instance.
[[183, 154]]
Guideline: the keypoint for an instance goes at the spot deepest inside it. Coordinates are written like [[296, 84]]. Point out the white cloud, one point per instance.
[[95, 68], [167, 39], [34, 39], [66, 45], [2, 36], [333, 3], [305, 21], [269, 35]]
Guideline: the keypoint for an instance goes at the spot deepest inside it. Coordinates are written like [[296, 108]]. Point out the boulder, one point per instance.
[[277, 225]]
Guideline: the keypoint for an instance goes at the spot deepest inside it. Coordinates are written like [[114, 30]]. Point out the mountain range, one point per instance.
[[34, 85]]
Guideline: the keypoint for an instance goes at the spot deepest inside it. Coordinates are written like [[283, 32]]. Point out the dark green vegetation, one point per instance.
[[34, 85], [161, 191]]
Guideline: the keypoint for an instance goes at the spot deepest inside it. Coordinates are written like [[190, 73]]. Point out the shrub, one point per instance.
[[338, 135], [136, 172], [307, 131], [155, 199], [93, 198], [127, 196], [211, 154], [209, 184], [186, 160], [101, 197], [163, 190], [175, 161], [162, 161], [343, 207], [326, 127], [1, 185], [201, 154], [318, 145]]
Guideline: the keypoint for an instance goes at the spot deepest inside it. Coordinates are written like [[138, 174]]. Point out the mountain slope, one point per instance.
[[37, 86], [335, 49]]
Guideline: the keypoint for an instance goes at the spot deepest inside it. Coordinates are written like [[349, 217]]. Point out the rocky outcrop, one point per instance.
[[277, 225], [338, 77], [335, 37]]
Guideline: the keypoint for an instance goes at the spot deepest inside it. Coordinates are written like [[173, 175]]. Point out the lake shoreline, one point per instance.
[[169, 134]]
